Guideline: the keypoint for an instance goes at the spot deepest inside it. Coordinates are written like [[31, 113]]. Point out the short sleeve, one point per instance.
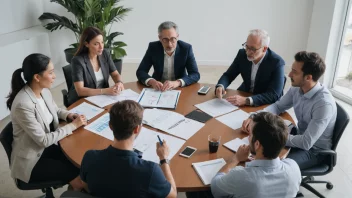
[[84, 166], [159, 186], [77, 70]]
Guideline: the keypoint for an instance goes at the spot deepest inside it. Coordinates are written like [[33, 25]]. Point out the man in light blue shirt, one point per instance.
[[267, 175], [315, 109]]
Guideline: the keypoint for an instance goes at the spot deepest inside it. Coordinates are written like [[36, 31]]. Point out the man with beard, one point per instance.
[[117, 171], [262, 71], [266, 175], [172, 59], [315, 109]]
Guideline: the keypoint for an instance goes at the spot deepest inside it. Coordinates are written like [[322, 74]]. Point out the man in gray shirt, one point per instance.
[[315, 109], [267, 175]]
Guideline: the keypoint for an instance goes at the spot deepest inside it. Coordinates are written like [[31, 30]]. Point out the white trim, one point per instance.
[[199, 62], [341, 96]]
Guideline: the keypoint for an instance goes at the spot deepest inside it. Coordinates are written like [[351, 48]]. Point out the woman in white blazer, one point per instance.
[[36, 156]]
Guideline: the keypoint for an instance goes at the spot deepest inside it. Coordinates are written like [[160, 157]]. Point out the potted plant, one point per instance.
[[99, 13]]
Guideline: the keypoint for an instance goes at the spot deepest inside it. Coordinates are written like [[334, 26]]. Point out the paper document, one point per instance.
[[216, 107], [234, 119], [101, 127], [208, 169], [171, 122], [152, 98], [86, 109], [234, 144], [147, 140], [105, 100]]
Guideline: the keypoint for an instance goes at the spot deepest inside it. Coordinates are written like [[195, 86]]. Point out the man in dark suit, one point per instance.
[[170, 59], [262, 71]]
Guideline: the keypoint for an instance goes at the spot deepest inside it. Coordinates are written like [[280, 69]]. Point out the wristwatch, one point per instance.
[[164, 161], [248, 102]]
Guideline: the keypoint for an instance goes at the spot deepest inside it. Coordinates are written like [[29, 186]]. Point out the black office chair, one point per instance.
[[68, 77], [75, 194], [327, 166], [6, 138]]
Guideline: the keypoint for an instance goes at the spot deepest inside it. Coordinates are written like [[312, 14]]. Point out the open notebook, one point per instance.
[[208, 169]]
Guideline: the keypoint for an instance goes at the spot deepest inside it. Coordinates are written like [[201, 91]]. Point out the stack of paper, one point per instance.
[[234, 119], [152, 98], [171, 122], [216, 107], [208, 169], [86, 109], [105, 100], [236, 143]]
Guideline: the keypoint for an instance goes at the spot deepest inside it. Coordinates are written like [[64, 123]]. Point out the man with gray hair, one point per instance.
[[262, 71], [172, 59]]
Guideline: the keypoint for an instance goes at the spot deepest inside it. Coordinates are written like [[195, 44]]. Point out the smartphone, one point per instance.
[[203, 90], [188, 151]]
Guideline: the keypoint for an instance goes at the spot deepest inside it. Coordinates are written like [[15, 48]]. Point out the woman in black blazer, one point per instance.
[[91, 67]]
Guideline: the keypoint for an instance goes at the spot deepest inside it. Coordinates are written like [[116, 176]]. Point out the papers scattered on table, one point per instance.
[[234, 144], [152, 98], [216, 107], [86, 109], [208, 169], [147, 140], [234, 119], [171, 122], [101, 127], [105, 100]]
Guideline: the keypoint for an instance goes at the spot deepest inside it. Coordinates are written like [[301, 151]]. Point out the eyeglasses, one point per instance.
[[172, 40], [252, 49]]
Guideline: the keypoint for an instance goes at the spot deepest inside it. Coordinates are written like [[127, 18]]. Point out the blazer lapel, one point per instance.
[[160, 59], [48, 101], [176, 60], [104, 69], [29, 91], [261, 69], [90, 69]]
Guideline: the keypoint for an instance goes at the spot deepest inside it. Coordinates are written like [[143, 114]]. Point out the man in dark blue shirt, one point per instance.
[[117, 171]]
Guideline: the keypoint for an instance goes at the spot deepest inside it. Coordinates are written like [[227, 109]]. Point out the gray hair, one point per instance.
[[167, 25], [263, 35]]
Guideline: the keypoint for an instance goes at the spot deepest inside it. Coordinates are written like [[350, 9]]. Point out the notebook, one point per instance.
[[208, 169], [158, 99], [198, 116]]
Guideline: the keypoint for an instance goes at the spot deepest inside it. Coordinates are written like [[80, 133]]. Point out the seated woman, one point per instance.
[[91, 67], [35, 118]]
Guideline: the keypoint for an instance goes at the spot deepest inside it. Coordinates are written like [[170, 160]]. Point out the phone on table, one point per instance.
[[188, 151], [203, 90]]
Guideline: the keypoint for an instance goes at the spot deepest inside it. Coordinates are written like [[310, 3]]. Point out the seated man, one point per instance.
[[262, 71], [117, 171], [170, 58], [267, 175], [315, 109]]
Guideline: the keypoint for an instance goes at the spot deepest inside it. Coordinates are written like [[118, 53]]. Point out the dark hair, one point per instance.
[[313, 64], [88, 34], [125, 116], [32, 64], [271, 131]]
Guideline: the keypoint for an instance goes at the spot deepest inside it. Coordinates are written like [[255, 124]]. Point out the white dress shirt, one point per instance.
[[44, 108], [255, 68], [169, 69]]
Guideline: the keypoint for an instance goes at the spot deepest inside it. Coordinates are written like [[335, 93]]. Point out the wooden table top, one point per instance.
[[75, 145]]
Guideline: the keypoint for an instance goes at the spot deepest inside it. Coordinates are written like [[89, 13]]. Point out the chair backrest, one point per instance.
[[6, 138], [68, 76], [342, 119]]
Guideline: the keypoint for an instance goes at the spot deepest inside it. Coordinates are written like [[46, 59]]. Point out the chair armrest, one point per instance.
[[65, 97], [332, 156], [64, 92]]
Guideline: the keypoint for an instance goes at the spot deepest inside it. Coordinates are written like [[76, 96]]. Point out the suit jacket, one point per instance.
[[269, 81], [82, 70], [184, 60], [31, 133]]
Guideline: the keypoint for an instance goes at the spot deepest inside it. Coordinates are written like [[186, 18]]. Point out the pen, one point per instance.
[[161, 143]]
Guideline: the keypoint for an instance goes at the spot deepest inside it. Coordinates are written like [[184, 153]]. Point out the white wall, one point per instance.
[[216, 29]]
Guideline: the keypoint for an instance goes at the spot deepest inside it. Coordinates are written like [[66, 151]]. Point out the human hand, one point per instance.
[[156, 84], [245, 125], [169, 85], [242, 153], [237, 100], [162, 151], [220, 92], [71, 116], [80, 121]]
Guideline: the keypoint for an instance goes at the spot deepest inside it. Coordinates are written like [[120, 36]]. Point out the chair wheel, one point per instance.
[[329, 186]]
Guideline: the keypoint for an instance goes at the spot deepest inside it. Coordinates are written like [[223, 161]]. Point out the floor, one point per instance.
[[341, 177]]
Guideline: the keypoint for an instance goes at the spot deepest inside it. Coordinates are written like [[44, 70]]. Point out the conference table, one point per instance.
[[186, 178]]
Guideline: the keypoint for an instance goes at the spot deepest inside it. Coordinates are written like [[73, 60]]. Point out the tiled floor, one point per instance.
[[341, 177]]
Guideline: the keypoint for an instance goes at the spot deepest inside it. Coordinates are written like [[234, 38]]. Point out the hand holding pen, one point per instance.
[[162, 149]]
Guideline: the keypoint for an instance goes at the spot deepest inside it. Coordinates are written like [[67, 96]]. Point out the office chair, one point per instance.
[[76, 194], [68, 77], [342, 119], [6, 138]]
